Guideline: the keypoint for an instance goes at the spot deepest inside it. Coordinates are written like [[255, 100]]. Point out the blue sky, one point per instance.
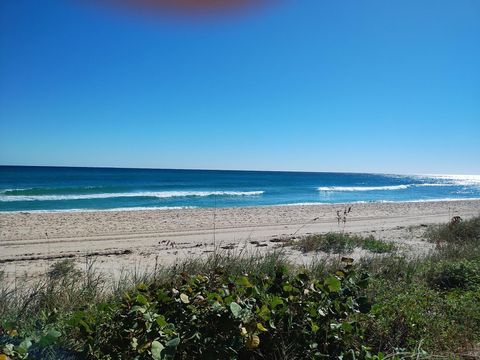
[[361, 86]]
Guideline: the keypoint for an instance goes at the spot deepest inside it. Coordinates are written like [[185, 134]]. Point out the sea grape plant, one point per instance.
[[216, 316]]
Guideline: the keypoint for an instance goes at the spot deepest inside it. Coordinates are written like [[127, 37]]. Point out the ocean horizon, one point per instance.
[[50, 189]]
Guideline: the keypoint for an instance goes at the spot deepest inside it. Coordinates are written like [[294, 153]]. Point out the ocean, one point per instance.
[[25, 188]]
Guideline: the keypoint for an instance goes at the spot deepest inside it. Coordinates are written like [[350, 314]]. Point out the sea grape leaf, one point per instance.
[[161, 321], [333, 284], [275, 301], [157, 348], [24, 346], [243, 281], [173, 343], [235, 309], [264, 312], [141, 299], [49, 338]]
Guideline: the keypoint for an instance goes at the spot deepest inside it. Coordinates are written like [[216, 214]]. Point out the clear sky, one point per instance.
[[361, 86]]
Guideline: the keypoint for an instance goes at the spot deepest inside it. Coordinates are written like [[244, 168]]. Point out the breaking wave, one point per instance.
[[144, 194], [382, 188], [363, 188]]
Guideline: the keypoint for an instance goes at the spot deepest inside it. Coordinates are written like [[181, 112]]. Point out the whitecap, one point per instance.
[[363, 188], [151, 194]]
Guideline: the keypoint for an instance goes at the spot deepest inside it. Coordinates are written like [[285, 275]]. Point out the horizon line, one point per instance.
[[236, 170]]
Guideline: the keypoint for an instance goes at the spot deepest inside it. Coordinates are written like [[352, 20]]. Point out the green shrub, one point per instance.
[[229, 317], [455, 274], [377, 246], [461, 232], [330, 242], [403, 316], [338, 243], [278, 311]]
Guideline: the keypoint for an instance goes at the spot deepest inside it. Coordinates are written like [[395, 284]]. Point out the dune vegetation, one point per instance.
[[386, 306]]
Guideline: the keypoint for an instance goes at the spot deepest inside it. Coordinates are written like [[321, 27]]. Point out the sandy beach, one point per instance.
[[127, 240]]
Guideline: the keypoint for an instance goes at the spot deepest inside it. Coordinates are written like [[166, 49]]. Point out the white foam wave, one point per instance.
[[435, 184], [302, 204], [140, 208], [428, 200], [151, 194], [381, 202], [383, 188], [363, 188]]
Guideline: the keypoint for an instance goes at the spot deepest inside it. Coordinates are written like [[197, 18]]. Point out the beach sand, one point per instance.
[[127, 240]]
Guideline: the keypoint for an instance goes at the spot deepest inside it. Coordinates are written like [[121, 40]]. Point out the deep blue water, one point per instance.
[[24, 188]]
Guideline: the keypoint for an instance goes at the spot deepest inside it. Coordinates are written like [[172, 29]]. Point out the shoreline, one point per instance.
[[160, 208], [127, 240]]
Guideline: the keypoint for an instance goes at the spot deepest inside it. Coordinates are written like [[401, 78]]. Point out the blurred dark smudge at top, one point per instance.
[[188, 7]]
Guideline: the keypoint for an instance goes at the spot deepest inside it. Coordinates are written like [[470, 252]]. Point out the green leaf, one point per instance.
[[216, 306], [235, 309], [333, 284], [173, 343], [276, 300], [137, 308], [141, 299], [243, 281], [157, 348], [261, 327], [163, 296], [347, 327], [264, 313], [23, 347], [85, 326], [161, 321], [49, 338]]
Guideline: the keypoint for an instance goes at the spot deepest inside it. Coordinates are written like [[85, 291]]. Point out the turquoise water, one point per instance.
[[25, 188]]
